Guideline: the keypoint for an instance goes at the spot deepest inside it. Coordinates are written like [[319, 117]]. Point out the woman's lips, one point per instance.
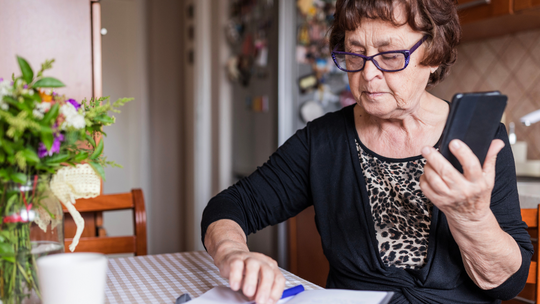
[[373, 94]]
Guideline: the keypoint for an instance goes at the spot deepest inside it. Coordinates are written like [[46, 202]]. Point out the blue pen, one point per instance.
[[292, 291]]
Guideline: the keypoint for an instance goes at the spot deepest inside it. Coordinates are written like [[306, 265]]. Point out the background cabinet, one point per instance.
[[526, 5], [476, 10], [483, 19]]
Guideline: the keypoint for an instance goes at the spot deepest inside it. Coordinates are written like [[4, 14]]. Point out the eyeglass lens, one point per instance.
[[388, 62]]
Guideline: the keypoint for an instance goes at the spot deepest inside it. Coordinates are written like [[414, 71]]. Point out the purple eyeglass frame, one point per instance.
[[407, 54]]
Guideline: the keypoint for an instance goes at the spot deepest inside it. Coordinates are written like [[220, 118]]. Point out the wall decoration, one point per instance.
[[247, 34], [257, 104], [311, 110], [307, 83], [324, 95]]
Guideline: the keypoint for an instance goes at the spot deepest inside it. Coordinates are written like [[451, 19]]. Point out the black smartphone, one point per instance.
[[474, 118]]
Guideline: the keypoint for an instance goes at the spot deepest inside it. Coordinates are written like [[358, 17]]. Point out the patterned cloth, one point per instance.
[[401, 212], [163, 278]]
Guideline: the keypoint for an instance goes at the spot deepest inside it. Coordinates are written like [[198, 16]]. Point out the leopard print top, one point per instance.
[[401, 212]]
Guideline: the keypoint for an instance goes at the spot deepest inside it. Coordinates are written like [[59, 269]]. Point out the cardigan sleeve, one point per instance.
[[276, 191], [506, 208]]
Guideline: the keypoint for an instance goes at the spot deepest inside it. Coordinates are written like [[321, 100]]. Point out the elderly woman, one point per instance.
[[392, 212]]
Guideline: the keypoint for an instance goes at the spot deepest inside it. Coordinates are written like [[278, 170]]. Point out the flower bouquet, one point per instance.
[[49, 151]]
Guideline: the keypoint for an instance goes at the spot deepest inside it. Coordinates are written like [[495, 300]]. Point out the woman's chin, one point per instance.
[[380, 107]]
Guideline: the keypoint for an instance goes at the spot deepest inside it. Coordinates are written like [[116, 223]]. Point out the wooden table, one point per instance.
[[164, 277]]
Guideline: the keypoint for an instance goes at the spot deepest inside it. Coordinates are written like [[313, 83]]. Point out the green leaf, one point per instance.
[[30, 155], [36, 97], [98, 168], [81, 156], [7, 146], [97, 151], [48, 82], [7, 235], [18, 177], [28, 74], [9, 258], [11, 200], [3, 173], [47, 137], [91, 140], [51, 114], [105, 119], [57, 158], [6, 249]]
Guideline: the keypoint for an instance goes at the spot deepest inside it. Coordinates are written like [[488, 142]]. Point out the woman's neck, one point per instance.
[[403, 136]]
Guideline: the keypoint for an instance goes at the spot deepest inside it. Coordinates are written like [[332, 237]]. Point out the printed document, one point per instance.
[[224, 295]]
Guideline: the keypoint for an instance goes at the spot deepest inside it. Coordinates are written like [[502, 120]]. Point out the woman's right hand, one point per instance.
[[256, 274]]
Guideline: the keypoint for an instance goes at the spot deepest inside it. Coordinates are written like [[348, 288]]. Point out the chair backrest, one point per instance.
[[94, 239], [530, 217]]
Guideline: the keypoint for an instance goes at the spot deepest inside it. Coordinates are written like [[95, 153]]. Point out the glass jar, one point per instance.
[[32, 226]]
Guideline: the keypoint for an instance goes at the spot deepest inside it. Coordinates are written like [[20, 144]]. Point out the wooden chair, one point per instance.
[[305, 248], [530, 217], [94, 237]]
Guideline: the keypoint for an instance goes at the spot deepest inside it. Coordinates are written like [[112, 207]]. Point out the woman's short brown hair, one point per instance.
[[436, 18]]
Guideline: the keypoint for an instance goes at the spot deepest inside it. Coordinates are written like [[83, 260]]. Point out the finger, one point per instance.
[[236, 273], [472, 169], [491, 157], [435, 181], [277, 288], [266, 281], [441, 166], [428, 191], [251, 277]]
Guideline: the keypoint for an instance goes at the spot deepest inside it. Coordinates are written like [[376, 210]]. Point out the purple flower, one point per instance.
[[25, 86], [1, 79], [74, 103], [42, 150]]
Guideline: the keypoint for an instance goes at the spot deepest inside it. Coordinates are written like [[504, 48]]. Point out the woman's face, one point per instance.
[[387, 94]]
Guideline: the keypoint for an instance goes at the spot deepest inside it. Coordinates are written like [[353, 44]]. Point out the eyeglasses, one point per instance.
[[391, 61]]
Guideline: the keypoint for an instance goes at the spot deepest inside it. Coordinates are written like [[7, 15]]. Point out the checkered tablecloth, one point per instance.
[[162, 278]]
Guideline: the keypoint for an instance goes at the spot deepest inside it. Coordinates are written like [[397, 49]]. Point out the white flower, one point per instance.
[[41, 109], [37, 114], [73, 118], [5, 89]]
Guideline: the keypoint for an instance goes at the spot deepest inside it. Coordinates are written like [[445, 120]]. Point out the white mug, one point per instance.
[[69, 278]]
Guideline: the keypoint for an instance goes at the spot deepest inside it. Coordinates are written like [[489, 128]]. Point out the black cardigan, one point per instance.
[[319, 166]]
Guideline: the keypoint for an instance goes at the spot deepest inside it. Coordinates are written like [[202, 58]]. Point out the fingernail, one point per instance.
[[426, 151], [455, 144], [249, 290], [235, 286]]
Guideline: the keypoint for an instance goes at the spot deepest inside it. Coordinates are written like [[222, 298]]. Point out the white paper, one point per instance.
[[220, 294], [224, 295], [341, 296]]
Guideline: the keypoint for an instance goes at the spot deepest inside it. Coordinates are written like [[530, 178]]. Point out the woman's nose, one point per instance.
[[370, 71]]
